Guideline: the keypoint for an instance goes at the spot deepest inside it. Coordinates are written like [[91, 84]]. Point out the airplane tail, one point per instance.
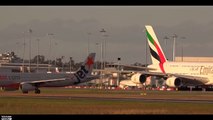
[[85, 69], [157, 54]]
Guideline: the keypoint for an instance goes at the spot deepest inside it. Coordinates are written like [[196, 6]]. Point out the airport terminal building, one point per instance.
[[193, 59]]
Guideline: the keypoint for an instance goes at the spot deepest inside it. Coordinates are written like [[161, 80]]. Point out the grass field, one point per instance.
[[28, 105]]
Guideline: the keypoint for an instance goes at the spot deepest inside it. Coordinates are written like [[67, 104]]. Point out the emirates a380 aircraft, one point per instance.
[[176, 74]]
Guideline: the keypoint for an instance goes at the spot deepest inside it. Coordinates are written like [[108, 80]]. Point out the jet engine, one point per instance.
[[25, 87], [138, 78], [174, 82]]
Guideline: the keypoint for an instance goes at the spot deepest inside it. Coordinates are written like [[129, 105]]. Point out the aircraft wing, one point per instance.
[[134, 67], [93, 77], [45, 81], [138, 67], [115, 71], [186, 79], [58, 79]]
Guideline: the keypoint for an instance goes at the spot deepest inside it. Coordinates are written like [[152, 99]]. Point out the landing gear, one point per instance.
[[143, 89], [203, 89], [25, 92], [37, 91]]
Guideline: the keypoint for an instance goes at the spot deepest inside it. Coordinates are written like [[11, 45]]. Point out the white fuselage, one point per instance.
[[195, 69], [14, 78]]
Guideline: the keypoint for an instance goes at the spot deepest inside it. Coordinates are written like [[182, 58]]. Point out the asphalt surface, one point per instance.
[[105, 98]]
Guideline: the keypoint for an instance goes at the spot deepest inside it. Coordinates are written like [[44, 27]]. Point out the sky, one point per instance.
[[72, 29]]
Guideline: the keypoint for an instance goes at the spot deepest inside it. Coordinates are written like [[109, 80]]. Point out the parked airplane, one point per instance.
[[176, 74], [32, 81]]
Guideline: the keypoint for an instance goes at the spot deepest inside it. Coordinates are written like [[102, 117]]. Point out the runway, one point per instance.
[[97, 101], [105, 98]]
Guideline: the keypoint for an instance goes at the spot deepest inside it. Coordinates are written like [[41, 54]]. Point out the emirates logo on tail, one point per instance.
[[155, 48]]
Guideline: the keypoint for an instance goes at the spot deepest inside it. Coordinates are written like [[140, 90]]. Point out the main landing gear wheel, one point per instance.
[[37, 91], [143, 89], [25, 92]]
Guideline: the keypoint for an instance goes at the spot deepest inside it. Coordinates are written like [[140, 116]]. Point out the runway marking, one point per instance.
[[115, 99]]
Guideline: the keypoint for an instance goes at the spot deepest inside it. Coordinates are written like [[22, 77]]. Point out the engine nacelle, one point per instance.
[[174, 82], [138, 78], [25, 87], [115, 75]]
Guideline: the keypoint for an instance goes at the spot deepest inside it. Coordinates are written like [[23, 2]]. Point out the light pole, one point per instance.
[[55, 52], [50, 50], [165, 40], [30, 31], [102, 48], [23, 52], [62, 57], [70, 64], [38, 56], [102, 60], [105, 49], [97, 44], [17, 44], [174, 37], [118, 76]]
